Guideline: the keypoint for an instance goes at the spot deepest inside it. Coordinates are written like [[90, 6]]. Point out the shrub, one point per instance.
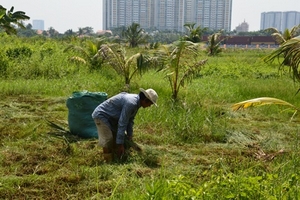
[[4, 65], [19, 52]]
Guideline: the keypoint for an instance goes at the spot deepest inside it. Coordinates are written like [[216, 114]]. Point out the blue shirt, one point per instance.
[[118, 113]]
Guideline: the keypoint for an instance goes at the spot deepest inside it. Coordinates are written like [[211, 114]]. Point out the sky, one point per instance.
[[63, 15]]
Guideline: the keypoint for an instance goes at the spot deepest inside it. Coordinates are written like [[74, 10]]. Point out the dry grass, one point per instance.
[[40, 161]]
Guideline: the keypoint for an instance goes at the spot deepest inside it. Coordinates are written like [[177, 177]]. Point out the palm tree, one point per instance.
[[88, 30], [178, 64], [52, 32], [80, 32], [283, 38], [134, 35], [286, 35], [126, 66], [69, 32], [214, 41], [291, 54], [195, 33], [88, 54], [10, 19]]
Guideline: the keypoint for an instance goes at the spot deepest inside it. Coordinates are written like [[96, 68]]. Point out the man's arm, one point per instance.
[[129, 130], [125, 123]]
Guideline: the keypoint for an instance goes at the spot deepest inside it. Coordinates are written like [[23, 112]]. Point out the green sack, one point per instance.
[[81, 106]]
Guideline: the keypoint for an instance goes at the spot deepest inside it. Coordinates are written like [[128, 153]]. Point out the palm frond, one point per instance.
[[272, 30], [77, 59], [63, 134], [192, 71], [290, 50], [57, 127], [129, 69], [279, 38], [260, 102], [294, 30], [91, 47]]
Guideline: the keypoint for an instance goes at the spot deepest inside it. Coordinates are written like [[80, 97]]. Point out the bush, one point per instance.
[[4, 65], [19, 52]]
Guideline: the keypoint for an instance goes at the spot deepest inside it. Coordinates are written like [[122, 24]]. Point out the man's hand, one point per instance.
[[120, 150], [129, 138]]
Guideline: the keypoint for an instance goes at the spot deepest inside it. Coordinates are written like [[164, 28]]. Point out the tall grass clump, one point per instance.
[[4, 65], [30, 61]]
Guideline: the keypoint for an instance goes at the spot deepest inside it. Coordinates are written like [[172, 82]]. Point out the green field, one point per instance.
[[193, 148]]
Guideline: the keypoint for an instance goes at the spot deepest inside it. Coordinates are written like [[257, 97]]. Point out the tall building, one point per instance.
[[167, 14], [38, 24], [279, 20], [290, 19]]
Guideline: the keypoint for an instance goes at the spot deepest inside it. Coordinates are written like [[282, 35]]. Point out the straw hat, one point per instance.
[[150, 94]]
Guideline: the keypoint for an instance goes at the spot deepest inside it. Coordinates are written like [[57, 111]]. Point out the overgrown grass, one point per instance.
[[193, 148]]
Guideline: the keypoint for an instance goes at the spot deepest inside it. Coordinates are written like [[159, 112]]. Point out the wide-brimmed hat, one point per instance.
[[150, 94]]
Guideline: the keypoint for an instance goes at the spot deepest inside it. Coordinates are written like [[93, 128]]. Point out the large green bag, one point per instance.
[[81, 106]]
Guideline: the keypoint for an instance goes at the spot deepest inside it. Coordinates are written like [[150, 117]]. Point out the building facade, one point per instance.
[[167, 14], [38, 24], [279, 20], [290, 19]]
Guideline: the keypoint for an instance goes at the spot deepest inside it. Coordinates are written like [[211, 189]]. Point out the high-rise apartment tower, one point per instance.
[[38, 24], [279, 20], [167, 14]]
